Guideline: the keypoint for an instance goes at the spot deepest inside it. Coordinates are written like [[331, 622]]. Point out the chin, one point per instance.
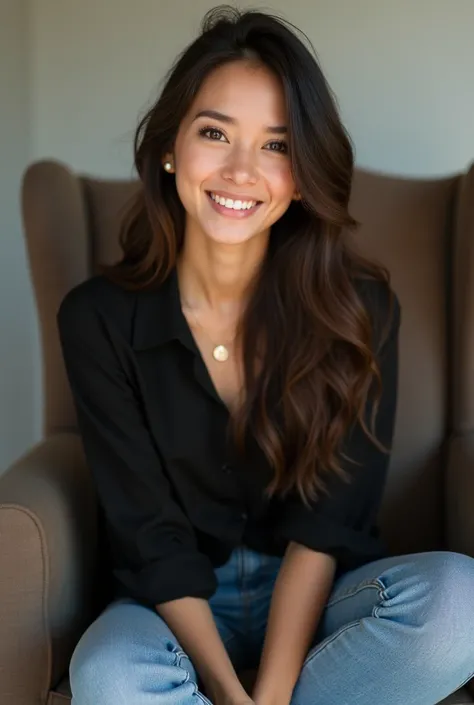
[[229, 238]]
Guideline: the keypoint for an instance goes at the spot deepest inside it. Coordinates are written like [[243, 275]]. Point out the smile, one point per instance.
[[230, 207]]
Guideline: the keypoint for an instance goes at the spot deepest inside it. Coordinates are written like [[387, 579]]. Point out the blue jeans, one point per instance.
[[398, 631]]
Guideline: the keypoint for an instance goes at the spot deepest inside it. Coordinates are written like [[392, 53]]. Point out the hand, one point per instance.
[[261, 700], [237, 695], [260, 697]]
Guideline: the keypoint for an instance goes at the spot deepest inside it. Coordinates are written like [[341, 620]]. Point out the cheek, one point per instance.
[[281, 181], [196, 163], [192, 168]]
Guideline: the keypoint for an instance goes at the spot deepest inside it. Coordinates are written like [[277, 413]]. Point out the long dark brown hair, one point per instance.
[[304, 313]]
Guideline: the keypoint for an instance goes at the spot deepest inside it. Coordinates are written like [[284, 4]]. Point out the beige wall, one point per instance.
[[403, 73], [19, 386]]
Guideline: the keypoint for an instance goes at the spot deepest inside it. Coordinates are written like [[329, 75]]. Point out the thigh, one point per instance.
[[354, 596], [359, 593], [400, 629]]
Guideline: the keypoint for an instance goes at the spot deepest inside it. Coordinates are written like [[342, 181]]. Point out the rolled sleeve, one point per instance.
[[350, 546], [154, 551], [342, 523], [170, 578]]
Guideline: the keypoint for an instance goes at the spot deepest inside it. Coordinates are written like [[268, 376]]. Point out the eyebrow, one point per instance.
[[216, 115]]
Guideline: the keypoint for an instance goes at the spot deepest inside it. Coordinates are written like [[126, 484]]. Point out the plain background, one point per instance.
[[76, 75]]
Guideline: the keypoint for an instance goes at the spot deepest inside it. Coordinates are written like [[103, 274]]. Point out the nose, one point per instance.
[[240, 167]]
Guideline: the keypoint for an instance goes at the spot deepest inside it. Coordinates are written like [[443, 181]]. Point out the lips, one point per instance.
[[232, 208], [233, 202]]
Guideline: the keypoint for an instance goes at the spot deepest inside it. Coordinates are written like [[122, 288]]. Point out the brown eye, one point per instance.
[[211, 133], [278, 146]]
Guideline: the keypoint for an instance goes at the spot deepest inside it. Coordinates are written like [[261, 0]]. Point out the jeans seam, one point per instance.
[[328, 640], [343, 629], [179, 655], [244, 592], [200, 695], [231, 638], [466, 680], [372, 583]]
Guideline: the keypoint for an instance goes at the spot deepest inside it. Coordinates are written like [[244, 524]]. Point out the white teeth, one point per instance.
[[233, 205]]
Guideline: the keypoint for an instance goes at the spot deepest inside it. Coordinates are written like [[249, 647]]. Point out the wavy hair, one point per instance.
[[304, 315]]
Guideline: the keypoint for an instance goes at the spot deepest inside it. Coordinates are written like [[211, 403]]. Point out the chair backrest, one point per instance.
[[421, 229]]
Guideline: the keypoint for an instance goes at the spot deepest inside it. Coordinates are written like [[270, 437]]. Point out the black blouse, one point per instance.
[[175, 497]]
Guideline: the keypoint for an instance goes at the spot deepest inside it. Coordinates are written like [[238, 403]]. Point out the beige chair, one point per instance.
[[50, 577]]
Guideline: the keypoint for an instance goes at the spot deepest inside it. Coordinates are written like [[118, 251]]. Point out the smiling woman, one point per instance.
[[235, 380], [250, 210]]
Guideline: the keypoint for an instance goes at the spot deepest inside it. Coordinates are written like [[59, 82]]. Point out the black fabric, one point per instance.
[[176, 499]]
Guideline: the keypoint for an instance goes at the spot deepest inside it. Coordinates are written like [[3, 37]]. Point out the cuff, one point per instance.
[[170, 578], [347, 545]]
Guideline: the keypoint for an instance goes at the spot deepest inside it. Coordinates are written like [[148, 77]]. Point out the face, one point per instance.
[[230, 158]]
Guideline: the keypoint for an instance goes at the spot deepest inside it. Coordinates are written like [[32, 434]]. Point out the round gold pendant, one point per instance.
[[220, 353]]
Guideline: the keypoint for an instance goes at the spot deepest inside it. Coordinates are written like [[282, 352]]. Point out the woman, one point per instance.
[[235, 381]]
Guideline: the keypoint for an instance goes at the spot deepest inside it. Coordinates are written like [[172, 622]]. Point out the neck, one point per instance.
[[215, 277]]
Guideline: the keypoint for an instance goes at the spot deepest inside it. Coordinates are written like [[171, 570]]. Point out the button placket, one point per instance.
[[229, 469]]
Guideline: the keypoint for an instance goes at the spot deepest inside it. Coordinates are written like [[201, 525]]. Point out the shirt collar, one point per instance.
[[159, 317]]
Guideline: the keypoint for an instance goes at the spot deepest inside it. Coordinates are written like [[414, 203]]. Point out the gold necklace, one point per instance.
[[220, 351]]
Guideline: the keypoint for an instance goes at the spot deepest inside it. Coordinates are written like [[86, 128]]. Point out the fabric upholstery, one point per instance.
[[47, 566]]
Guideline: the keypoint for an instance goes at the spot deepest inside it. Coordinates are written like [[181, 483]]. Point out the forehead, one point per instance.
[[245, 91]]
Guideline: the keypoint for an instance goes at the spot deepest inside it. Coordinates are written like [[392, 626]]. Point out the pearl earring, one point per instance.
[[168, 166]]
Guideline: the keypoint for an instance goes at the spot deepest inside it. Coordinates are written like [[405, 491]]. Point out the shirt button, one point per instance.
[[228, 469], [244, 516]]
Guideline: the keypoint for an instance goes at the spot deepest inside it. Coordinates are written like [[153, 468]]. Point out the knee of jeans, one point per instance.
[[450, 578], [446, 637], [98, 677], [113, 673]]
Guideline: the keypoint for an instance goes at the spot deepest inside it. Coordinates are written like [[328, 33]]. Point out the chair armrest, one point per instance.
[[459, 493], [48, 547]]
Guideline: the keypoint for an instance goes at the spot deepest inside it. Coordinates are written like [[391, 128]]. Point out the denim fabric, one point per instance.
[[398, 631]]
